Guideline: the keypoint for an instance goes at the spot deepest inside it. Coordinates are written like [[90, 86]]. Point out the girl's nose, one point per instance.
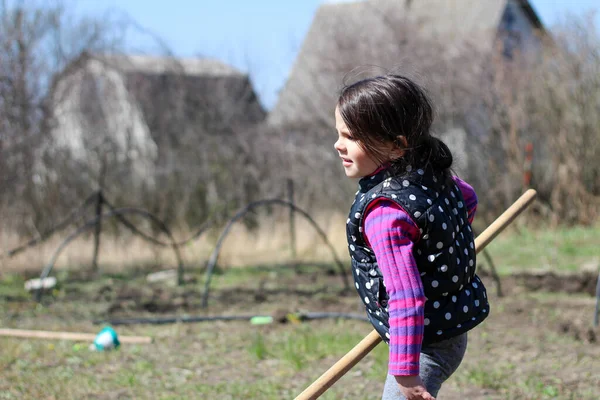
[[338, 145]]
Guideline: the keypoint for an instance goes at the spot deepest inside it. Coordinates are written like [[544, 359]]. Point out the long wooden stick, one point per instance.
[[333, 374], [68, 336]]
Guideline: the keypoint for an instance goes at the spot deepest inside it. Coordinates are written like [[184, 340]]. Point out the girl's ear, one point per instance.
[[400, 144]]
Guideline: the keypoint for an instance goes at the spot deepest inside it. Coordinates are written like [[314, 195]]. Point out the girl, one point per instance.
[[409, 233]]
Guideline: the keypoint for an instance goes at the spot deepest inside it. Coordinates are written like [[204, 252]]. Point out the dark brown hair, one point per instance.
[[382, 110]]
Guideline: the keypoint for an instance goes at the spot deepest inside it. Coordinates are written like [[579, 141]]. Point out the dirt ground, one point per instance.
[[539, 341]]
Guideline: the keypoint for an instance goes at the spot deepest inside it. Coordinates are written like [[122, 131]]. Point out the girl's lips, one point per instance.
[[346, 162]]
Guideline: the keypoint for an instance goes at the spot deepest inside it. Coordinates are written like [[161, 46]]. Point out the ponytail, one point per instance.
[[440, 155], [429, 151]]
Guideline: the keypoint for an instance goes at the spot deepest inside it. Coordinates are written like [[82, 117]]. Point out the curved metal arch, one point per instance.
[[77, 213], [73, 216], [92, 222], [215, 254], [149, 238]]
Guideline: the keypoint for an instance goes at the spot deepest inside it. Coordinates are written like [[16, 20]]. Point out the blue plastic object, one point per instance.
[[107, 339]]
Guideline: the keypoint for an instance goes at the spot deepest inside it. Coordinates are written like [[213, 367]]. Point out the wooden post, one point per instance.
[[290, 192], [98, 214], [597, 313], [89, 337], [97, 231], [528, 165]]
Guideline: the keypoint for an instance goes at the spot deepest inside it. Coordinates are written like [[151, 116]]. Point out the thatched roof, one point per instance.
[[149, 107], [203, 95], [151, 65], [349, 34], [175, 97]]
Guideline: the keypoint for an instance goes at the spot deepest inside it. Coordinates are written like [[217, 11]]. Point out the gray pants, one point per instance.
[[438, 361]]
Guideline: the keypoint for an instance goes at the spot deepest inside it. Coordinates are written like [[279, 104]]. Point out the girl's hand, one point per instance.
[[412, 388]]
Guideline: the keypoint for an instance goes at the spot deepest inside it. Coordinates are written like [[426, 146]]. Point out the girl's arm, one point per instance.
[[391, 233]]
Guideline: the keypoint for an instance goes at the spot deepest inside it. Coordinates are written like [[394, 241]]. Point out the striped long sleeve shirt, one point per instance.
[[391, 233]]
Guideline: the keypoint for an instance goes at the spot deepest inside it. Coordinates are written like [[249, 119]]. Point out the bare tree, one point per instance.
[[37, 42], [551, 101], [498, 97], [185, 139]]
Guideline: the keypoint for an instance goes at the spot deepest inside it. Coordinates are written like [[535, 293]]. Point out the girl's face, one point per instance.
[[357, 163]]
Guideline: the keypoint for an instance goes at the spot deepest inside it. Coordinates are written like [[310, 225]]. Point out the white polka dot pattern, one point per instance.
[[445, 251]]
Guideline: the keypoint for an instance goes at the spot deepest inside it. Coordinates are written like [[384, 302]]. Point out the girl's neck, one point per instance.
[[378, 170]]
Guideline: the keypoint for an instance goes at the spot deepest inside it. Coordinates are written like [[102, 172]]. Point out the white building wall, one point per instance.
[[122, 123]]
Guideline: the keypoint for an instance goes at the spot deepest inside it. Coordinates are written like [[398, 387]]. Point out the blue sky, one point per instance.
[[261, 37]]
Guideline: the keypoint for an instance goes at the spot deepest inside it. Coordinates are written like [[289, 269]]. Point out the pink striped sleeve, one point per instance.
[[391, 233], [469, 195]]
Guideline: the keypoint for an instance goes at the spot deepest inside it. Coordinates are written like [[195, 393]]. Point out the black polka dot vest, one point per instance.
[[456, 300]]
